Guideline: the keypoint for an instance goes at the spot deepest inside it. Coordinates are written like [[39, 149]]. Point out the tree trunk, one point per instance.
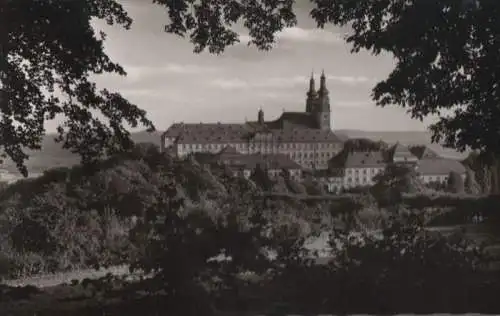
[[496, 170], [486, 179]]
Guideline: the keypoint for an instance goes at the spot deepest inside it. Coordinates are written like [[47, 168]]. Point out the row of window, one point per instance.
[[310, 146], [358, 171]]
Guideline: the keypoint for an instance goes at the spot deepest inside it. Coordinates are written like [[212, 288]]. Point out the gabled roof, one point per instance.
[[439, 166], [401, 151], [422, 152]]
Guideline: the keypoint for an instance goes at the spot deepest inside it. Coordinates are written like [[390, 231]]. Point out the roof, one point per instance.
[[423, 152], [293, 120], [270, 161], [365, 159], [402, 151], [220, 133], [439, 166], [207, 132], [279, 161]]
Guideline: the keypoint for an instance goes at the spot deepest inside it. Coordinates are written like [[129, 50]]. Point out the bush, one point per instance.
[[403, 270], [295, 187], [314, 187]]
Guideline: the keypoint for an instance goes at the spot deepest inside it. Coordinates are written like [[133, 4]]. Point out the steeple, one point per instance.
[[312, 87], [322, 87], [312, 95], [260, 117], [323, 107]]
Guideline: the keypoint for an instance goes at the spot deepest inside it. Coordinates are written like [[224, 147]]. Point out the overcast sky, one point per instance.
[[173, 84]]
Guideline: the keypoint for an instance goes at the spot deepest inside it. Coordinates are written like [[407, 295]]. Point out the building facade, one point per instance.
[[437, 170], [305, 137], [358, 169], [244, 165]]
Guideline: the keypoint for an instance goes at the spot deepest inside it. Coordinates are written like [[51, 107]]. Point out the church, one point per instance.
[[305, 137]]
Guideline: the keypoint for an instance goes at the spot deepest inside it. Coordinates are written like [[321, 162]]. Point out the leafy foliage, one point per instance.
[[392, 183], [260, 177], [48, 51], [209, 24], [364, 144], [484, 167]]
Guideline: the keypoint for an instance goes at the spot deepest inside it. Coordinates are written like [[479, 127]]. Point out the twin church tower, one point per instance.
[[318, 102], [317, 115]]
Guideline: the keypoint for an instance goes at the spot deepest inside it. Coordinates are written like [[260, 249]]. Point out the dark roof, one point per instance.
[[279, 161], [439, 166], [402, 151], [365, 159], [293, 120], [423, 152], [220, 133], [270, 161]]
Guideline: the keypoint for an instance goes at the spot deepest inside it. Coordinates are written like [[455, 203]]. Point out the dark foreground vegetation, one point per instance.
[[170, 218]]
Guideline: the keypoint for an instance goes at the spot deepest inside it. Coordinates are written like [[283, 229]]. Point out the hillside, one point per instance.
[[53, 155]]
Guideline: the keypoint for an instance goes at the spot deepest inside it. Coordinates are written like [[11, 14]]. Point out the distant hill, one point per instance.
[[405, 138], [53, 155]]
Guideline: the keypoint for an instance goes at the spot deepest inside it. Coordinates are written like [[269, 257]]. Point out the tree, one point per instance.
[[445, 52], [364, 144], [483, 165], [260, 177], [390, 184], [455, 183], [48, 53]]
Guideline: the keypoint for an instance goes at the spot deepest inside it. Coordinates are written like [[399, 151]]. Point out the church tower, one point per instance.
[[312, 95], [260, 117], [322, 110]]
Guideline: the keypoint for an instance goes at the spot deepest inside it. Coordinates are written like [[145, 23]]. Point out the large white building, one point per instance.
[[305, 137], [358, 169]]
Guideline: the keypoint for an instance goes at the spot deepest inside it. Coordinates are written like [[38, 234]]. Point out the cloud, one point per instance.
[[139, 72], [230, 84], [354, 104], [351, 80], [285, 82], [167, 96], [309, 35], [297, 34]]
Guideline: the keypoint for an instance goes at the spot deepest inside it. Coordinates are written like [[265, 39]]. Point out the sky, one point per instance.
[[173, 84]]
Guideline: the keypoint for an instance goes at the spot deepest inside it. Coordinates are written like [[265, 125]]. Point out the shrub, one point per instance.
[[405, 269]]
